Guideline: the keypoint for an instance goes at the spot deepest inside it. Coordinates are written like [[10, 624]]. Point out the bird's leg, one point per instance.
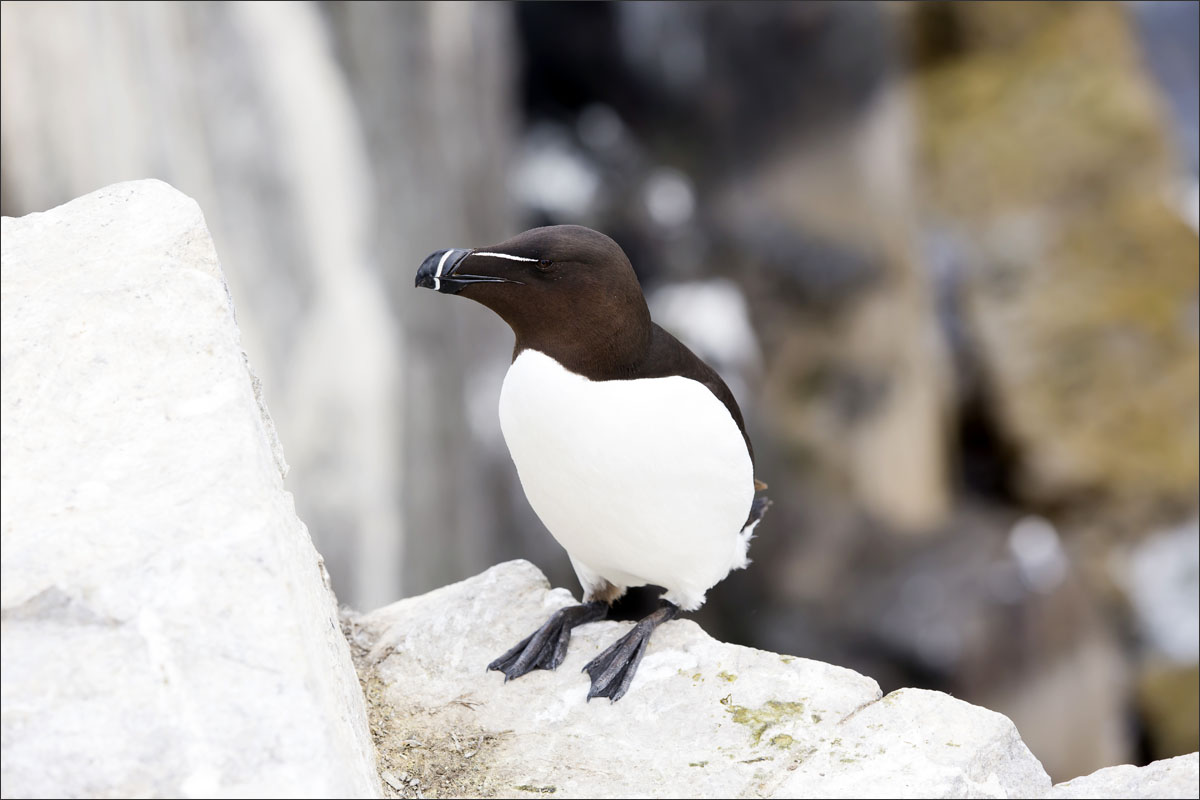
[[612, 671], [546, 647]]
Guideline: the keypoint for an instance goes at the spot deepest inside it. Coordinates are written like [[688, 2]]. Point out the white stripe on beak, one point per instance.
[[504, 255], [437, 277]]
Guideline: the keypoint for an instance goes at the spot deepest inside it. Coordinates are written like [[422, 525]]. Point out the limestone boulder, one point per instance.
[[168, 626]]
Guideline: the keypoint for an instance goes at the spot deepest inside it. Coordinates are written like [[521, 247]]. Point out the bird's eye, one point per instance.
[[544, 264]]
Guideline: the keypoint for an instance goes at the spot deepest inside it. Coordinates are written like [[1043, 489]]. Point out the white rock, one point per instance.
[[1169, 778], [701, 718], [167, 626]]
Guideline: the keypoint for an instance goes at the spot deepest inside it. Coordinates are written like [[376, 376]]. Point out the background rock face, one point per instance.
[[1073, 281], [1078, 278], [168, 627], [328, 146]]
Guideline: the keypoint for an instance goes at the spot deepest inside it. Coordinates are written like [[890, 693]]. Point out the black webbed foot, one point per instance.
[[612, 671], [546, 647]]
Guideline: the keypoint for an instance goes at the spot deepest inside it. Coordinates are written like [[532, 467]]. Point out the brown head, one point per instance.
[[565, 290]]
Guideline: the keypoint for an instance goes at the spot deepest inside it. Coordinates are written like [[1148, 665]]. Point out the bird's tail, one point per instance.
[[742, 545], [757, 509]]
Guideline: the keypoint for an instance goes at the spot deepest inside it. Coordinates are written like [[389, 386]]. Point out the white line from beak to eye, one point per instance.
[[437, 278], [504, 255]]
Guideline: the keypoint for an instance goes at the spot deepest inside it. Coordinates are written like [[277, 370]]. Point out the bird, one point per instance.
[[630, 449]]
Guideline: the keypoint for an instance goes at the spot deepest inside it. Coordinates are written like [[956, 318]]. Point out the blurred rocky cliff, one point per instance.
[[944, 254], [328, 146]]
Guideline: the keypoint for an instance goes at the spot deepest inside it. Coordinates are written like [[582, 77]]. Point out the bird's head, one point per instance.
[[562, 287]]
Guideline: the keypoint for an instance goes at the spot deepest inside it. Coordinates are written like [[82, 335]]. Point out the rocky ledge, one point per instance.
[[702, 718]]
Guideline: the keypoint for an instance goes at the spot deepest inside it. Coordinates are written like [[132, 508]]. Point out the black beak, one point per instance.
[[437, 272]]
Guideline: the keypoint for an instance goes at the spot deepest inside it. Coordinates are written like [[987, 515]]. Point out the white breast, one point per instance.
[[642, 481]]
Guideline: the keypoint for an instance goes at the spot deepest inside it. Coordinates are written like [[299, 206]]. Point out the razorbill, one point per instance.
[[631, 450]]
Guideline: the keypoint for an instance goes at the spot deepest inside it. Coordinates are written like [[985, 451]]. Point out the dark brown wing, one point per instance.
[[669, 356]]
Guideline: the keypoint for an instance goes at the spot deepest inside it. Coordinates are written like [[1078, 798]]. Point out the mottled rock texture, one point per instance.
[[702, 718], [1078, 276]]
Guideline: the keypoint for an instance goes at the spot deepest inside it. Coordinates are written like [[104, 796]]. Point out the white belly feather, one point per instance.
[[642, 481]]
